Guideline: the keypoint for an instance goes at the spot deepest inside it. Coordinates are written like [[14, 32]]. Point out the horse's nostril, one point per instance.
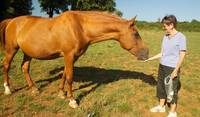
[[143, 54]]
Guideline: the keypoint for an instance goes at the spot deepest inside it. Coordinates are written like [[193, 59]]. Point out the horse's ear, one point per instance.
[[132, 21]]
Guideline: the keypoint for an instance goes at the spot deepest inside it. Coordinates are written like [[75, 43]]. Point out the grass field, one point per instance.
[[108, 82]]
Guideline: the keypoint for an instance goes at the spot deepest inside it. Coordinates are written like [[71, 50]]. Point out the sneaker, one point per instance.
[[172, 114], [158, 109]]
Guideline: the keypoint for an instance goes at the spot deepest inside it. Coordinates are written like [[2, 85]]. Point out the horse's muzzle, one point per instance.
[[143, 54]]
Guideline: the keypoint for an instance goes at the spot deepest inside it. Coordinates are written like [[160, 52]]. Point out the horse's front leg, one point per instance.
[[61, 93], [25, 68], [69, 78]]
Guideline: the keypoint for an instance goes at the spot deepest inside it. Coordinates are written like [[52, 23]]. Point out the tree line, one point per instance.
[[192, 26], [13, 8]]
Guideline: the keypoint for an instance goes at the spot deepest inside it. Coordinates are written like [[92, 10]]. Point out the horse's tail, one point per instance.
[[3, 26]]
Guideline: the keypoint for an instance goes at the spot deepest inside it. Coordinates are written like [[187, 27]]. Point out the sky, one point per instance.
[[150, 10]]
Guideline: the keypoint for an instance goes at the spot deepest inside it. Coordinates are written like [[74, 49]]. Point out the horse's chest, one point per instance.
[[81, 51]]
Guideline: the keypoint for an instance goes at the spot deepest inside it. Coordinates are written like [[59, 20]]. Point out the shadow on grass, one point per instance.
[[94, 78], [93, 75], [98, 76]]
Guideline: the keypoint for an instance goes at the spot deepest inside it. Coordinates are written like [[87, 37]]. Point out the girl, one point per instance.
[[173, 51]]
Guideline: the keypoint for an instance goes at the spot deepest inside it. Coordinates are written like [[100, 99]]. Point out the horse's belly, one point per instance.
[[40, 51], [42, 54]]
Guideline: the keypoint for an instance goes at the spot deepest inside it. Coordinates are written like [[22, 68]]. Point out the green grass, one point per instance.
[[108, 82]]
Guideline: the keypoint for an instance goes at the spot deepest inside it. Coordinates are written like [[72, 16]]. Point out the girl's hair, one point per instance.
[[169, 19]]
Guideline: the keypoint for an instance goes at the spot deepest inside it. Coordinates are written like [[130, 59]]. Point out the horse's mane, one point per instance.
[[97, 15], [105, 14]]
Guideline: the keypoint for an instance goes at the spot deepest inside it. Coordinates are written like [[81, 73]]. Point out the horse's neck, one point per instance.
[[104, 37], [106, 33]]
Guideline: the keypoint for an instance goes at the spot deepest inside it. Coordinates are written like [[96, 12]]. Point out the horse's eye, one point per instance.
[[136, 34]]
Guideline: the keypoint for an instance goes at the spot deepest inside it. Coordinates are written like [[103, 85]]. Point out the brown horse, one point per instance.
[[67, 35]]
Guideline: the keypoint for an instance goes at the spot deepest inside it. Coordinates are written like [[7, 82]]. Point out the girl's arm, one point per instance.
[[157, 56], [178, 65]]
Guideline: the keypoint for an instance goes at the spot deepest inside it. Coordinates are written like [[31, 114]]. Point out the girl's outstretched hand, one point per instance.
[[147, 60]]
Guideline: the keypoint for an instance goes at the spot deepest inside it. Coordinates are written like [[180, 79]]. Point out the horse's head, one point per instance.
[[131, 40]]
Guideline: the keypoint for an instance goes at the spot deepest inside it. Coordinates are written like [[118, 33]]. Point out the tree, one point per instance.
[[118, 13], [53, 6], [56, 6], [13, 8], [4, 7], [97, 5], [101, 5], [21, 7], [195, 21]]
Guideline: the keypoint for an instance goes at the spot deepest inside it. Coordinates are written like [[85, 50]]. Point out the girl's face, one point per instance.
[[168, 28]]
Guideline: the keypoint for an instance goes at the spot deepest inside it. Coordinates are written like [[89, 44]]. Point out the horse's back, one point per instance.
[[40, 37]]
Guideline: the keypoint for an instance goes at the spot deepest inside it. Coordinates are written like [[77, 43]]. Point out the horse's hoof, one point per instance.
[[73, 103], [7, 89], [61, 94], [35, 91], [7, 92]]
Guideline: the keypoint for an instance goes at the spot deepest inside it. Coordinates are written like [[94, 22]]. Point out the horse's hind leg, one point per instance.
[[25, 68], [9, 54]]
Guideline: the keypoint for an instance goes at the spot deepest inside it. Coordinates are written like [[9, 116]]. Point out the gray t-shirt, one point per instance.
[[171, 47]]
